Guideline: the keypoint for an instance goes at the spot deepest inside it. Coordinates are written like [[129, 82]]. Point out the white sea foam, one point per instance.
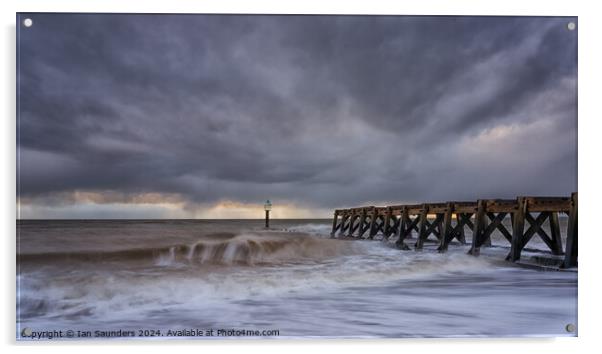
[[312, 229], [304, 285], [167, 259], [369, 264]]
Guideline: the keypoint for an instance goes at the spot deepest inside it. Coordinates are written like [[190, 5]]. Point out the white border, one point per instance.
[[589, 173]]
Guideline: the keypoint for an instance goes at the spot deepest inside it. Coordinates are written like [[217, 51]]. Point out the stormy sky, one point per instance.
[[210, 115]]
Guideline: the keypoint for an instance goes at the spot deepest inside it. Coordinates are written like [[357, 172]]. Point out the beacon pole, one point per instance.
[[267, 207]]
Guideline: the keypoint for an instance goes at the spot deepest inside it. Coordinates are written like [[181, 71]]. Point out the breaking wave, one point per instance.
[[232, 249]]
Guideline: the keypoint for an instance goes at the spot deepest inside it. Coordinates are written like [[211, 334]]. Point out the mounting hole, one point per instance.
[[570, 328], [571, 26], [28, 22]]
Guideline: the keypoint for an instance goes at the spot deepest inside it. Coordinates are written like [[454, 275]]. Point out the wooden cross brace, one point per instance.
[[450, 231]]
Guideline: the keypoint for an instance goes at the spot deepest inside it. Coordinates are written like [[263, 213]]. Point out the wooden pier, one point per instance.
[[447, 221]]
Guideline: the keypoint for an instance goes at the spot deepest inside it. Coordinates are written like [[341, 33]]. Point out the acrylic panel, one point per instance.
[[206, 176]]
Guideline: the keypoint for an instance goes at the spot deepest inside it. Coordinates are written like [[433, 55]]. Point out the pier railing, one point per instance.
[[447, 221]]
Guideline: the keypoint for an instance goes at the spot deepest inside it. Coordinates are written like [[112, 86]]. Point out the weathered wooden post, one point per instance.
[[447, 232], [267, 207], [555, 231], [477, 230], [344, 218], [518, 228], [401, 229], [373, 223], [387, 225], [439, 226], [570, 257], [422, 235], [461, 234], [334, 223], [351, 223], [486, 240], [362, 226]]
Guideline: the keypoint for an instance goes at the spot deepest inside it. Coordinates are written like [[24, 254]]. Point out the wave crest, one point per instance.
[[222, 249], [252, 249]]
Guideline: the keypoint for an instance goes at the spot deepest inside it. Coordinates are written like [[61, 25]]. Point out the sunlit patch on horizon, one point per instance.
[[115, 205]]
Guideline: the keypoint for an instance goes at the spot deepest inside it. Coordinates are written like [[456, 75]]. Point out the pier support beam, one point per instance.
[[344, 224], [520, 239], [362, 225], [463, 219], [405, 227], [392, 227], [555, 233], [422, 235], [477, 230], [495, 223], [427, 228], [387, 224], [518, 227], [447, 230], [352, 226], [350, 221], [373, 220], [376, 226], [570, 257], [335, 225]]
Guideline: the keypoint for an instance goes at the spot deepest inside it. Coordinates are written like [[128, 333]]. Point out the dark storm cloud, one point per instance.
[[316, 110]]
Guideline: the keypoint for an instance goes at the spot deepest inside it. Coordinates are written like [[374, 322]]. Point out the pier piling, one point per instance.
[[570, 259]]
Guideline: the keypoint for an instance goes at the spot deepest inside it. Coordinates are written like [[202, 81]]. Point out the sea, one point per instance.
[[235, 279]]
